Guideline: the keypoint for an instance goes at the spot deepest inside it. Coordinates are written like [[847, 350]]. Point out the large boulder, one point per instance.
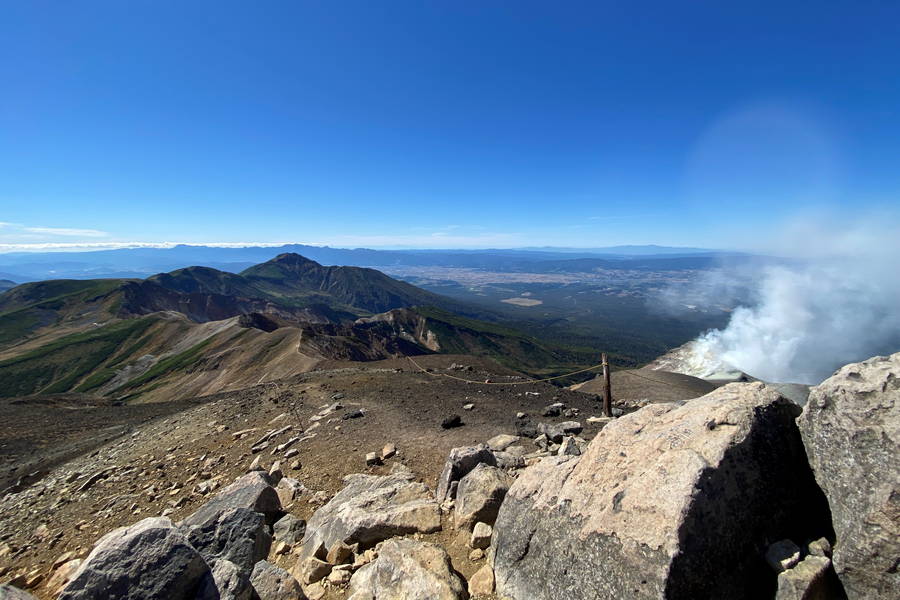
[[408, 569], [480, 495], [251, 491], [675, 500], [238, 535], [151, 560], [851, 429], [459, 463], [274, 583], [370, 509]]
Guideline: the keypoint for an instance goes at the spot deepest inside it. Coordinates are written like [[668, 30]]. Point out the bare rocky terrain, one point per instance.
[[194, 448], [153, 459]]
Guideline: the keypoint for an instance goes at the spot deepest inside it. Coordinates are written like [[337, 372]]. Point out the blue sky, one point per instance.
[[443, 124]]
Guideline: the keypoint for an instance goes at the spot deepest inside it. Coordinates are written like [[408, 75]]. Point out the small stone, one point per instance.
[[388, 451], [520, 415], [482, 582], [782, 555], [501, 442], [64, 557], [275, 473], [451, 422], [468, 406], [312, 570], [569, 447], [820, 547], [315, 591], [291, 453], [476, 554], [295, 466], [339, 577], [599, 420], [372, 459], [340, 554], [481, 536]]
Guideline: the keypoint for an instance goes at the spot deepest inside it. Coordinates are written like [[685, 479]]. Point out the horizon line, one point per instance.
[[62, 247]]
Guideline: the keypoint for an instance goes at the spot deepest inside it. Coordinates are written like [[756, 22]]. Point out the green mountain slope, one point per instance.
[[198, 330], [290, 277]]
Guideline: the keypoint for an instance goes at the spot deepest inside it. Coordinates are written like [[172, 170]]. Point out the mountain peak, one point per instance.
[[292, 258]]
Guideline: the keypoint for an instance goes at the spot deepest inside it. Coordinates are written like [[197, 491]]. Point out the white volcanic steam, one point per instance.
[[839, 303]]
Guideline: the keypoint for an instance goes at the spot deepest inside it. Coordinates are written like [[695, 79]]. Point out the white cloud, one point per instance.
[[66, 231], [88, 246]]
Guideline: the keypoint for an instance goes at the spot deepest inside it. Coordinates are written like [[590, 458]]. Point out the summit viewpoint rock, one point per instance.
[[671, 501], [851, 429]]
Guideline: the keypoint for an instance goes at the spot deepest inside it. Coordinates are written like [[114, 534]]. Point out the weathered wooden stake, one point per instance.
[[607, 387]]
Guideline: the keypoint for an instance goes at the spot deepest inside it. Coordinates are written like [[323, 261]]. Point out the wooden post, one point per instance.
[[607, 387]]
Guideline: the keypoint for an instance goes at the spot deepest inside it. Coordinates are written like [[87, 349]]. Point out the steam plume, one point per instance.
[[839, 303]]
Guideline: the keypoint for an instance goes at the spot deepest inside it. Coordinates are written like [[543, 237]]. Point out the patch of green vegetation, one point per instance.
[[59, 365], [96, 380], [15, 325], [33, 305], [172, 363]]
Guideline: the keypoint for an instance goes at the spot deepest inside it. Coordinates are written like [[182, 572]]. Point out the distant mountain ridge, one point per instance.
[[198, 330], [142, 262], [289, 285]]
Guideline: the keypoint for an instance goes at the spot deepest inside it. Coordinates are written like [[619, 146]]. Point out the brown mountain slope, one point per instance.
[[635, 385]]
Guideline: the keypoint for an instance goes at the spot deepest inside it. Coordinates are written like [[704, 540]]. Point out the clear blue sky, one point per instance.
[[443, 124]]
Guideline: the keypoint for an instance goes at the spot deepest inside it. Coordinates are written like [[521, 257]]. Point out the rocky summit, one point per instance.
[[740, 493]]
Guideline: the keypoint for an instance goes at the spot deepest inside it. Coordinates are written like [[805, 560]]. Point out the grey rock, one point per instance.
[[151, 560], [238, 535], [289, 529], [459, 462], [227, 582], [288, 490], [274, 583], [480, 495], [370, 509], [556, 431], [670, 501], [819, 547], [481, 536], [508, 460], [8, 592], [502, 442], [408, 569], [811, 579], [569, 447], [851, 429], [251, 491]]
